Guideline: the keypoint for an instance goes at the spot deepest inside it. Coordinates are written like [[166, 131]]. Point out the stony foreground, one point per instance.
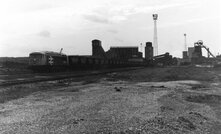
[[165, 100]]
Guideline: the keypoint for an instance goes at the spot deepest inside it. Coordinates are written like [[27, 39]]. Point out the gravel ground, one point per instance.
[[153, 101]]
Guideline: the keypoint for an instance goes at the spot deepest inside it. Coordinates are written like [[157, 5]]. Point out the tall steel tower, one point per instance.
[[141, 48], [155, 43], [185, 45]]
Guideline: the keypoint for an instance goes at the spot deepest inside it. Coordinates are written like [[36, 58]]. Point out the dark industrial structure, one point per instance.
[[190, 52], [115, 57], [164, 60], [197, 53], [149, 51], [195, 56], [185, 55], [97, 49], [124, 52]]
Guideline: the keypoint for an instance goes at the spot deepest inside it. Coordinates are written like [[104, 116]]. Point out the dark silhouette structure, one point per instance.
[[121, 52], [97, 49], [148, 51], [197, 52], [185, 55], [124, 52]]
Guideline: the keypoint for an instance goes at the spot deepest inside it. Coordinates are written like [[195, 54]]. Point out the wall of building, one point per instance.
[[190, 52], [124, 52]]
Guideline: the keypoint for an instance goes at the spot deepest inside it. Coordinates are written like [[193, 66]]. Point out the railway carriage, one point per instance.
[[47, 61]]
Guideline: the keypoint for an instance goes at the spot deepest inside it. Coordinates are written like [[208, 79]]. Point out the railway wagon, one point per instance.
[[77, 62], [89, 62], [47, 61]]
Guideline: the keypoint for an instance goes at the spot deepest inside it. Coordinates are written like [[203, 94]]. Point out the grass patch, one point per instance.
[[20, 91], [14, 92], [204, 98], [166, 74]]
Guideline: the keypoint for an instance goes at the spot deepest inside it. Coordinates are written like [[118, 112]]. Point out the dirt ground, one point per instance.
[[173, 100]]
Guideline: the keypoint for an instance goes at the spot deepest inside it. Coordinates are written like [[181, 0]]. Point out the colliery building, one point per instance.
[[119, 52], [97, 49], [194, 55], [149, 51], [124, 52], [130, 53]]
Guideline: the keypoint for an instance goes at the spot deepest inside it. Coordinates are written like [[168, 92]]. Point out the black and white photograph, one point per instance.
[[110, 67]]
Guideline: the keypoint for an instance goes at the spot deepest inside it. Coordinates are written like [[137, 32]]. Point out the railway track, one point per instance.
[[34, 78]]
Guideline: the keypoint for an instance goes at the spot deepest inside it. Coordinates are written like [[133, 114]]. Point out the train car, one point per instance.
[[47, 61], [77, 62]]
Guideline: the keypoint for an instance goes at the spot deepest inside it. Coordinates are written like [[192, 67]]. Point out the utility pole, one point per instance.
[[185, 45]]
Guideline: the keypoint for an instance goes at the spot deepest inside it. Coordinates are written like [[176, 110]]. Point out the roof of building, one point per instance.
[[51, 53], [124, 47]]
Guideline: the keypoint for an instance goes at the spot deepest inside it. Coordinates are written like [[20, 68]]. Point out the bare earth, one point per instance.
[[157, 101]]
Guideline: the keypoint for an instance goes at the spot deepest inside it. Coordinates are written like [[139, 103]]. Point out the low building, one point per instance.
[[124, 52]]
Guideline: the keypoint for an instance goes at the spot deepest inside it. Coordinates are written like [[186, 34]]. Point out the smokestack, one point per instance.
[[148, 51]]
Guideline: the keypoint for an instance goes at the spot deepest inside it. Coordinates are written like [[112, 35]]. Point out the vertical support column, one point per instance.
[[141, 48], [155, 42], [185, 45]]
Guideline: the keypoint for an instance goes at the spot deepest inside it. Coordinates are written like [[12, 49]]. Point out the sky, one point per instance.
[[49, 25]]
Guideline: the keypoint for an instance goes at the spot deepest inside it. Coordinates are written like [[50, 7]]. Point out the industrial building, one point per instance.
[[148, 51], [190, 52], [185, 55], [124, 52], [97, 49], [119, 52], [131, 53], [194, 55]]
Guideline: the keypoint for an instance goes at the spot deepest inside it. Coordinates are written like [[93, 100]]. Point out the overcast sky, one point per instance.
[[39, 25]]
